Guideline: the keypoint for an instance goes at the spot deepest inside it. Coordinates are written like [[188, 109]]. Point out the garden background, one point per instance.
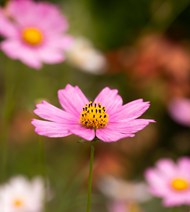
[[146, 48]]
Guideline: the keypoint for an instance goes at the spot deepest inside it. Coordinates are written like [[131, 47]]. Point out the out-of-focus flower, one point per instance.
[[83, 55], [170, 181], [21, 195], [124, 195], [106, 117], [121, 206], [179, 110], [108, 163], [34, 32], [121, 190], [153, 56]]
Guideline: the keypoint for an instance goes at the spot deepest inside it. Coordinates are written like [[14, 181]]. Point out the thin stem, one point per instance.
[[90, 177]]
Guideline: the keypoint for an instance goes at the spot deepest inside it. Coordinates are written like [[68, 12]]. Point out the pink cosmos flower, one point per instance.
[[170, 181], [105, 117], [34, 32]]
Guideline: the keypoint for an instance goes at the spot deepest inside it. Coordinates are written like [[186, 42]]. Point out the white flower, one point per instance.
[[21, 195], [83, 55], [120, 190]]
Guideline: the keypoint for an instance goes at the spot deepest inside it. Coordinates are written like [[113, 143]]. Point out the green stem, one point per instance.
[[90, 177]]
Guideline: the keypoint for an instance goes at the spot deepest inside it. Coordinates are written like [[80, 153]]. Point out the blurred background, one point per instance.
[[143, 50]]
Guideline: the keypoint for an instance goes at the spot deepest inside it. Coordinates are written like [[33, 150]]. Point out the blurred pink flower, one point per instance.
[[117, 206], [170, 181], [105, 117], [179, 110], [34, 32]]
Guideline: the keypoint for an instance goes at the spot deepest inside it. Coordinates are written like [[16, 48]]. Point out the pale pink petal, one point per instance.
[[7, 29], [16, 50], [85, 133], [50, 129], [159, 186], [167, 168], [24, 7], [184, 165], [52, 113], [179, 110], [55, 19], [72, 100], [60, 42], [110, 135], [35, 11], [130, 110], [11, 48], [110, 99], [176, 199], [50, 56]]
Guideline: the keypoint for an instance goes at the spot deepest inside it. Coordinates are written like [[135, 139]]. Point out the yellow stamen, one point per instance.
[[32, 36], [17, 203], [94, 116], [180, 184]]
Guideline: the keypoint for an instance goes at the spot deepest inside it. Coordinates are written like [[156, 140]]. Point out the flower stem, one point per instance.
[[90, 177]]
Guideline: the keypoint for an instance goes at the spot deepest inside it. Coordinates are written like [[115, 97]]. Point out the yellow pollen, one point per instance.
[[17, 203], [32, 36], [94, 116], [180, 184]]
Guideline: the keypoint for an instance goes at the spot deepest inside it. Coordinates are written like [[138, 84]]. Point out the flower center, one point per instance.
[[180, 184], [32, 36], [94, 116], [18, 203]]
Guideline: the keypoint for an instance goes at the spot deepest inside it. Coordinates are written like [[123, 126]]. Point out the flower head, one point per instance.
[[170, 181], [83, 55], [34, 32], [105, 117], [124, 191], [20, 195], [123, 195]]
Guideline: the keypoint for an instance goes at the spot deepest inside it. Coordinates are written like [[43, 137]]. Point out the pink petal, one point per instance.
[[110, 99], [55, 19], [7, 29], [85, 133], [183, 167], [15, 50], [50, 129], [59, 42], [72, 100], [50, 56], [167, 168], [24, 7], [116, 131], [159, 186], [129, 126], [34, 11], [130, 110], [176, 199], [52, 113], [110, 135]]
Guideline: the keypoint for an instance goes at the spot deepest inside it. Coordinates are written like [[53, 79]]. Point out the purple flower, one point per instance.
[[33, 32], [105, 117], [170, 181]]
